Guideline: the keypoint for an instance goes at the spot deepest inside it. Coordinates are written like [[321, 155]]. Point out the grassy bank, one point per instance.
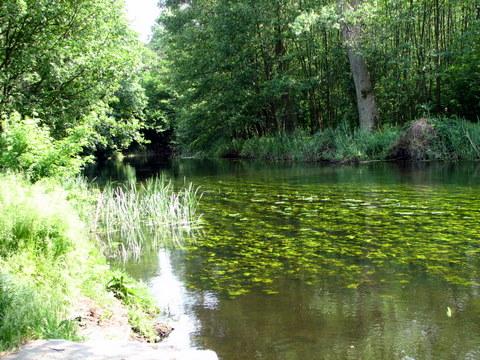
[[425, 139], [50, 258]]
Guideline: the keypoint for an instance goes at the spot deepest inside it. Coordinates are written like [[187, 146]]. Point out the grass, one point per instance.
[[129, 218], [43, 260], [451, 139], [456, 139], [336, 145], [30, 312]]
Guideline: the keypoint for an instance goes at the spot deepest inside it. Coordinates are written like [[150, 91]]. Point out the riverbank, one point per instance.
[[105, 338], [449, 139], [55, 282]]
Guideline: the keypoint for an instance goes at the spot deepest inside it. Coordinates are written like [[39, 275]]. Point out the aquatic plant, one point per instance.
[[129, 218], [347, 233]]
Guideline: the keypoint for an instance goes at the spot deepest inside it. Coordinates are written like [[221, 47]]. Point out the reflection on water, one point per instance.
[[322, 262], [172, 298]]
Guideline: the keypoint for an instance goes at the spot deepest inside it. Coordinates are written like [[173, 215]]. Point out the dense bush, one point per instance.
[[26, 146]]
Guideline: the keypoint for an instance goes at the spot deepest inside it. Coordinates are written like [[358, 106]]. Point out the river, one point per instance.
[[310, 261]]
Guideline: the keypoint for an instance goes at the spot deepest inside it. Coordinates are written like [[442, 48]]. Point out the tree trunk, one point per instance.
[[366, 104]]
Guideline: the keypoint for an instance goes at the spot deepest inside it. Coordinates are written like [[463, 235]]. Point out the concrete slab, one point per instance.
[[105, 350]]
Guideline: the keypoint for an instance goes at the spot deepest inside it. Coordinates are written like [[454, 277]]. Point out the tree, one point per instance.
[[60, 59], [351, 32], [245, 68]]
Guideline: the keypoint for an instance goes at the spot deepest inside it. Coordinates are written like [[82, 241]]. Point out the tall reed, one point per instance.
[[130, 218]]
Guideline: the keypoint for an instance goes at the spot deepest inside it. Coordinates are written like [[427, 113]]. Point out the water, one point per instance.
[[376, 261]]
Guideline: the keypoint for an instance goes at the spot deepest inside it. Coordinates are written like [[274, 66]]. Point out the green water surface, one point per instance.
[[378, 261]]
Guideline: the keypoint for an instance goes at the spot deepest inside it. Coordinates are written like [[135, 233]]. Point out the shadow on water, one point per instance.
[[311, 261]]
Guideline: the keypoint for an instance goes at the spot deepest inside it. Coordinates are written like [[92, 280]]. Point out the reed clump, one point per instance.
[[131, 218]]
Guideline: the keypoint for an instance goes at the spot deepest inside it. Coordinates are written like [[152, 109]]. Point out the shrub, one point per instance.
[[27, 146]]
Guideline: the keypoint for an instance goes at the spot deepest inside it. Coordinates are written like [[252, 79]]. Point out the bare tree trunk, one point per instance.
[[366, 104]]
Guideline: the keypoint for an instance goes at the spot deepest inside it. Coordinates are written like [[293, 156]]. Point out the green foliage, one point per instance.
[[117, 285], [275, 148], [449, 139], [43, 251], [62, 58], [27, 146], [110, 134], [74, 65], [244, 70], [462, 97], [130, 99], [438, 139], [455, 139], [237, 74], [423, 55], [141, 308], [159, 112], [26, 312], [27, 224]]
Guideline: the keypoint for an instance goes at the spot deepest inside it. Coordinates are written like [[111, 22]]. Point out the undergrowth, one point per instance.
[[452, 139]]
